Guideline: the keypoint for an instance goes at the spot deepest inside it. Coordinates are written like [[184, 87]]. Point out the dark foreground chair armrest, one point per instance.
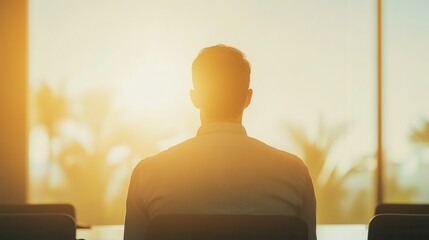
[[39, 208], [402, 208]]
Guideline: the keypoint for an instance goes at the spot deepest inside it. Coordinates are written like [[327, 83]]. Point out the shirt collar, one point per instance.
[[221, 127]]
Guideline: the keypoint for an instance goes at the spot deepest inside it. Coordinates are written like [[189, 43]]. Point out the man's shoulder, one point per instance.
[[158, 158], [279, 154]]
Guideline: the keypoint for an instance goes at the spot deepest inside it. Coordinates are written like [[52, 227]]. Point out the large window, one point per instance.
[[109, 86], [406, 110]]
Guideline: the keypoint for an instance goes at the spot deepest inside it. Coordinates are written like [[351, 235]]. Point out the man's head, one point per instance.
[[221, 77]]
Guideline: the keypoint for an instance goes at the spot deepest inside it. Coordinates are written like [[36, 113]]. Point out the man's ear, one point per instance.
[[195, 98], [248, 99]]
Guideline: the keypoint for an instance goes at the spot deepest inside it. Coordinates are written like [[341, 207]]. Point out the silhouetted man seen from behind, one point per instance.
[[221, 170]]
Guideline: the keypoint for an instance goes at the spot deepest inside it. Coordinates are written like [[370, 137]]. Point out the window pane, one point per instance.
[[406, 111], [109, 85]]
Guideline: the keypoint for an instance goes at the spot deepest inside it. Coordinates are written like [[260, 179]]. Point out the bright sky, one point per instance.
[[311, 61]]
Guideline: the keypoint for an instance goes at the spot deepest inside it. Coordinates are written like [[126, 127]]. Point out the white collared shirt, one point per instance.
[[220, 171]]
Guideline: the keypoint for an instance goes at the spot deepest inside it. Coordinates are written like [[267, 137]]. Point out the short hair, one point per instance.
[[221, 74]]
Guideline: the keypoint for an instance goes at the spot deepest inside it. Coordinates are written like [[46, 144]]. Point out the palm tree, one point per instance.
[[90, 173], [328, 182], [51, 108]]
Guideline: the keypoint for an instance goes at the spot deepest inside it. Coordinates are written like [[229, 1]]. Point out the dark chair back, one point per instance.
[[39, 208], [402, 208], [399, 227], [37, 227], [227, 227]]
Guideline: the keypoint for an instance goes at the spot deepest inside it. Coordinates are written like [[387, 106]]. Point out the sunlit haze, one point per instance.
[[313, 73]]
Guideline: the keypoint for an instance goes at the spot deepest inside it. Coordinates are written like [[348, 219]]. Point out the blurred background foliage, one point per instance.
[[329, 182], [91, 152]]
